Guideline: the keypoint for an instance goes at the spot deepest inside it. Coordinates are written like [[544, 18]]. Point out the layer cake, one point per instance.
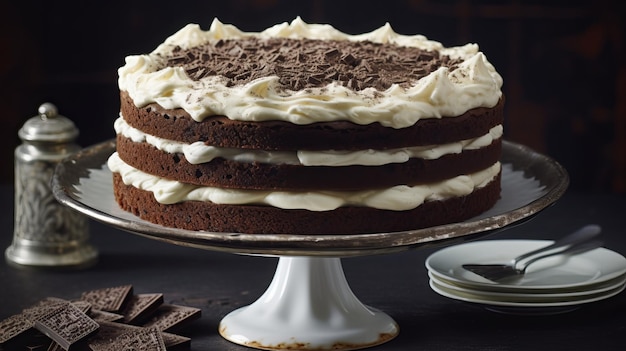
[[304, 129]]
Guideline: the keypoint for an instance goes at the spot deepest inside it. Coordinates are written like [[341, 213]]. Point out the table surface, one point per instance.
[[397, 283]]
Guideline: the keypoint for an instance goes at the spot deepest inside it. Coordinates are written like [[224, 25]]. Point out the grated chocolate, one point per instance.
[[309, 63]]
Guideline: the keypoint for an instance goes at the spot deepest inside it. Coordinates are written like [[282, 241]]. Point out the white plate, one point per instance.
[[523, 302], [544, 294], [558, 272], [521, 290]]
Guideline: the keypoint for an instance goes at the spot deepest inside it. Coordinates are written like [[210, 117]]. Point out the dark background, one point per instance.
[[563, 62]]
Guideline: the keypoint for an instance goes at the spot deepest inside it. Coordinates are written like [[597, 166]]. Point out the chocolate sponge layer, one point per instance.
[[195, 215], [278, 135], [232, 174]]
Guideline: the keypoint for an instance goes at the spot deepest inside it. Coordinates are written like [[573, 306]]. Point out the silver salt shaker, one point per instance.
[[46, 233]]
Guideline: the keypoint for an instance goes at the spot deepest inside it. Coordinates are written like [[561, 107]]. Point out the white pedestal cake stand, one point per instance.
[[309, 304]]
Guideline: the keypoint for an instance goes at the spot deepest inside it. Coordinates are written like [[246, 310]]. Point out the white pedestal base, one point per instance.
[[308, 306]]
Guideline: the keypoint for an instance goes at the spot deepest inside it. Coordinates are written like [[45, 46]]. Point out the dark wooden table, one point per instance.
[[395, 283]]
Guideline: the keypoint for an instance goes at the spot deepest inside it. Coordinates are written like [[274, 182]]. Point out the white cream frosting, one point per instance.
[[474, 83], [397, 198], [199, 152]]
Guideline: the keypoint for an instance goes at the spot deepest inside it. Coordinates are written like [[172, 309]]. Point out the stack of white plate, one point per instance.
[[551, 285]]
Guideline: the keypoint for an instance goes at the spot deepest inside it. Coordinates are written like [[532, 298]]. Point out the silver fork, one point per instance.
[[574, 243]]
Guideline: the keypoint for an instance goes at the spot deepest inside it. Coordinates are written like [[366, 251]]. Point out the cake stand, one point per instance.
[[309, 304]]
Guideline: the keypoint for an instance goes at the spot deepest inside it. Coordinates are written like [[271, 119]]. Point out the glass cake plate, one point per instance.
[[309, 304], [530, 183]]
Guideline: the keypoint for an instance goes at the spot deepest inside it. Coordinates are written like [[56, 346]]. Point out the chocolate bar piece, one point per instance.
[[104, 316], [110, 332], [44, 307], [18, 331], [66, 325], [55, 324], [144, 339], [175, 342], [108, 299], [170, 317], [13, 327], [84, 306], [141, 306]]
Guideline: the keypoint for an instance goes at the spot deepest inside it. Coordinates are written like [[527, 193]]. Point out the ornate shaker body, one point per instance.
[[46, 233]]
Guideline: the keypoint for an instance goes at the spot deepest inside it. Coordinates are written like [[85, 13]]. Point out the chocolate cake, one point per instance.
[[303, 129]]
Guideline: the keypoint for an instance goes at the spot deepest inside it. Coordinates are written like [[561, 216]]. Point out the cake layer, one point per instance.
[[197, 215], [199, 152], [397, 197], [254, 175], [419, 78], [176, 124]]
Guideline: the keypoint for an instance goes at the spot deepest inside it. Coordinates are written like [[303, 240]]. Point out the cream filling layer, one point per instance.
[[397, 198], [198, 152], [444, 92]]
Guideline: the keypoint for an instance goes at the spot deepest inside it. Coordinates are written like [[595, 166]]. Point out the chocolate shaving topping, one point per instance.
[[309, 63]]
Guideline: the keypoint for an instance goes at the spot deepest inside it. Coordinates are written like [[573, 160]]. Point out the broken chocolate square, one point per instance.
[[170, 317], [66, 325], [108, 299], [139, 307], [148, 339], [104, 316], [109, 333], [13, 327]]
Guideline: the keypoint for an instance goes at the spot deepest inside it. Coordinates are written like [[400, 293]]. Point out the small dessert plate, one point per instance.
[[558, 273], [533, 295], [521, 301]]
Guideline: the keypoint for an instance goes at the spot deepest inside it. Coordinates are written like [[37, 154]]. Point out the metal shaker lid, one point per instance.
[[48, 126]]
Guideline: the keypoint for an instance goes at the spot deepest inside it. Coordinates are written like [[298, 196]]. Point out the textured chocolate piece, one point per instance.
[[13, 327], [44, 307], [104, 316], [66, 325], [140, 307], [169, 317], [307, 63], [108, 299], [50, 301], [279, 135], [175, 342], [18, 331], [195, 215], [109, 332], [84, 306], [54, 324], [145, 339]]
